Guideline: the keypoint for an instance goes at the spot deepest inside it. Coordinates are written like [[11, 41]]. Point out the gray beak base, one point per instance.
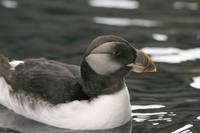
[[143, 63]]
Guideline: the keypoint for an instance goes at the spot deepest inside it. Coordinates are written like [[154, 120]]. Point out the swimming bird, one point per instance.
[[92, 96]]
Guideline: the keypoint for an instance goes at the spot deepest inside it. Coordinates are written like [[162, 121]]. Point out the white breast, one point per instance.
[[104, 112]]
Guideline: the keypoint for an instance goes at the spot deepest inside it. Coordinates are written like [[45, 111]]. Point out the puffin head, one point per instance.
[[106, 62], [108, 55]]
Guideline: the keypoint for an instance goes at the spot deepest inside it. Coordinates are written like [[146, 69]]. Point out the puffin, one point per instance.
[[92, 96]]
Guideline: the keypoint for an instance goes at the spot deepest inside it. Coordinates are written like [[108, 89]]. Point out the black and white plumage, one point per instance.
[[92, 96]]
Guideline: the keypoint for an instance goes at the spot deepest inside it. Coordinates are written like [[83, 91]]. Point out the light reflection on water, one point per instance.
[[126, 22], [137, 107], [196, 82], [9, 3], [172, 55], [160, 37], [198, 118], [184, 129], [186, 5], [175, 55], [121, 4], [154, 117]]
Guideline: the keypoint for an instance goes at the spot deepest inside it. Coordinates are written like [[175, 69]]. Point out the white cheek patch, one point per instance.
[[102, 63]]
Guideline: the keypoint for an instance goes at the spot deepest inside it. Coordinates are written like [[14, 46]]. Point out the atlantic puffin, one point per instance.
[[93, 96]]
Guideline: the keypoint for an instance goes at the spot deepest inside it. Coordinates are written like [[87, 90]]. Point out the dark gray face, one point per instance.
[[107, 60], [110, 57], [109, 54]]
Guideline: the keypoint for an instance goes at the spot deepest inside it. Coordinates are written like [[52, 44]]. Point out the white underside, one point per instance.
[[104, 112]]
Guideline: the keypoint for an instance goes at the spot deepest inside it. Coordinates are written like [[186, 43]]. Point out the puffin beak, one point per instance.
[[143, 63]]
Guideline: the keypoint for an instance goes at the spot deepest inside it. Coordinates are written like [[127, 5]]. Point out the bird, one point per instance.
[[92, 96]]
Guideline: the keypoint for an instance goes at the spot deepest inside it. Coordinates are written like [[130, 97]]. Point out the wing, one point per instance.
[[49, 80]]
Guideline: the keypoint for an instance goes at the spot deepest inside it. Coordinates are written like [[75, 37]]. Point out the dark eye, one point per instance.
[[116, 53]]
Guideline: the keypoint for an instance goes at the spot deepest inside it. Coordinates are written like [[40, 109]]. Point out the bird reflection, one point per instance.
[[10, 120]]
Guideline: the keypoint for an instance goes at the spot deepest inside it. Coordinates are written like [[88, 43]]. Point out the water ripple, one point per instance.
[[137, 107], [186, 5], [121, 4], [196, 82], [173, 55], [184, 129], [9, 3], [154, 117], [160, 37], [126, 22]]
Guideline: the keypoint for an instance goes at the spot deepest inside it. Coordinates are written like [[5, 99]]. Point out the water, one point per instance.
[[163, 102]]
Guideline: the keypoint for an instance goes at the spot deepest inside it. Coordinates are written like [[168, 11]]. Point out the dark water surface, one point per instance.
[[164, 102]]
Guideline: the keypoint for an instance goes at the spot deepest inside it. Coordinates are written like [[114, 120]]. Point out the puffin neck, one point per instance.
[[95, 84]]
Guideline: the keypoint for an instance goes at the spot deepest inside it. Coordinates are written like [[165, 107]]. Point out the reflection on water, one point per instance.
[[196, 82], [198, 118], [186, 5], [160, 37], [126, 22], [137, 107], [185, 129], [122, 4], [9, 3], [148, 114], [173, 55], [154, 117]]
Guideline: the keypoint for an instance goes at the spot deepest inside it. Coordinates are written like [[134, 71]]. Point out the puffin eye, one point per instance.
[[116, 53]]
